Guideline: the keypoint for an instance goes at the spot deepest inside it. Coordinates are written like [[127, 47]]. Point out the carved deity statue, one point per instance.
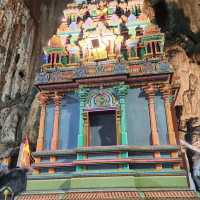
[[102, 11], [63, 28], [118, 45], [108, 39], [73, 51], [93, 10], [99, 49], [131, 44], [112, 7], [191, 99]]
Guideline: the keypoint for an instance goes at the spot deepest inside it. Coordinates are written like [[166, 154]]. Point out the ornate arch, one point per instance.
[[102, 98]]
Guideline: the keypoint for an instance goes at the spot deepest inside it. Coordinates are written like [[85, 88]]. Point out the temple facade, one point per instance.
[[107, 125]]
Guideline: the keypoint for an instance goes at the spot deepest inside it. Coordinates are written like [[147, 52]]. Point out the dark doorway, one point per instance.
[[102, 128]]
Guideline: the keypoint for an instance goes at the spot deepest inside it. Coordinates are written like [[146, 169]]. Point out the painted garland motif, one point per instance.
[[101, 98]]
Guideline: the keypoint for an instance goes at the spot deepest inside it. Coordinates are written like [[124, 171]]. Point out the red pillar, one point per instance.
[[150, 91], [166, 93], [55, 136], [40, 141], [54, 142]]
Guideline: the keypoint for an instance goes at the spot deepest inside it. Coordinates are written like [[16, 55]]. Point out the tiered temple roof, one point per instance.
[[103, 39]]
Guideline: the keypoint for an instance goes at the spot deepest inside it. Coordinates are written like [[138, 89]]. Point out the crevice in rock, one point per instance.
[[161, 14], [178, 112], [17, 57], [22, 74]]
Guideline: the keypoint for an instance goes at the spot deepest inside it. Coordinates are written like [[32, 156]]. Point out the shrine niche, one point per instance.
[[101, 115], [102, 128]]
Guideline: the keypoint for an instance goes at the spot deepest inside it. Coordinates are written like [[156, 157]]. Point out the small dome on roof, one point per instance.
[[63, 28], [131, 18], [143, 17], [73, 26], [88, 22], [55, 42], [115, 19], [151, 29]]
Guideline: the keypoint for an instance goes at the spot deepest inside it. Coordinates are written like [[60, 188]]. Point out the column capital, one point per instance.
[[42, 99], [57, 99], [166, 94], [165, 89], [150, 90], [54, 142], [83, 92], [121, 89]]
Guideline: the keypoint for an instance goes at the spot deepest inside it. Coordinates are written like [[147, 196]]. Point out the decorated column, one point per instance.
[[55, 136], [166, 94], [122, 91], [40, 141], [150, 91], [82, 95]]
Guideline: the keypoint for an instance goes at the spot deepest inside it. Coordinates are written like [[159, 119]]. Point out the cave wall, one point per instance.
[[17, 34], [25, 27], [180, 20]]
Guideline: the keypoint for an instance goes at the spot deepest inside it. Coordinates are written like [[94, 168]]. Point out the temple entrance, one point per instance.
[[102, 128]]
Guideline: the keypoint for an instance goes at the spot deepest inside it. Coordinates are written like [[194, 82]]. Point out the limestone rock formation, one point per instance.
[[25, 27], [17, 34]]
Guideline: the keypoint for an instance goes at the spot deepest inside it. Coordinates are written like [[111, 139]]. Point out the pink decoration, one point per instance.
[[131, 18], [73, 26], [115, 19], [88, 23]]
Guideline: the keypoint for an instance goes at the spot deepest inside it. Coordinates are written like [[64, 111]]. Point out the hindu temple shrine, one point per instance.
[[107, 124]]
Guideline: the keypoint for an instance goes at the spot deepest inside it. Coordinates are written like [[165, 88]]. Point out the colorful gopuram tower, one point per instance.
[[107, 126]]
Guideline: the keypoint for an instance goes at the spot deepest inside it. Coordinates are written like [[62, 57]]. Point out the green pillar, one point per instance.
[[123, 120], [82, 96], [122, 91]]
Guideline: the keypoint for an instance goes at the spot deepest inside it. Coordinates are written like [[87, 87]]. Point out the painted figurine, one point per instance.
[[74, 52], [131, 45], [118, 44], [102, 11]]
